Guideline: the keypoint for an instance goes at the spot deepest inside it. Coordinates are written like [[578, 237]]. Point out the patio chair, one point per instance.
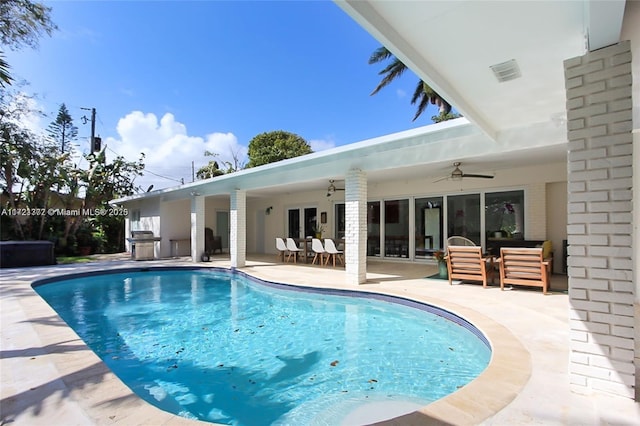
[[293, 249], [333, 252], [319, 250], [524, 266], [467, 263], [281, 246], [456, 240], [212, 243]]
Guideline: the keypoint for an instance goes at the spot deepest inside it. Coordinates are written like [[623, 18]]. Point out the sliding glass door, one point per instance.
[[396, 228], [429, 221], [463, 217]]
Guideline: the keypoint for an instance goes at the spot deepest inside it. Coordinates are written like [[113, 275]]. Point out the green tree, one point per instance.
[[212, 169], [22, 23], [270, 147], [36, 174], [62, 129], [423, 95], [18, 157]]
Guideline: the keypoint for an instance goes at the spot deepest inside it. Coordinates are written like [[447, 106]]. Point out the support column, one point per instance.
[[238, 237], [356, 227], [600, 225], [197, 227]]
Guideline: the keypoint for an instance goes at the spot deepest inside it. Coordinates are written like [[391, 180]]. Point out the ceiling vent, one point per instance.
[[506, 71]]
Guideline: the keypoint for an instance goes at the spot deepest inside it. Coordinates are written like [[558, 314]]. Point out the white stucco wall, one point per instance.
[[556, 194], [535, 180], [175, 224]]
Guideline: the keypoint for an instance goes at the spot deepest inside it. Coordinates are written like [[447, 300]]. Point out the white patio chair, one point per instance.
[[294, 250], [318, 249], [282, 248], [457, 240], [332, 251]]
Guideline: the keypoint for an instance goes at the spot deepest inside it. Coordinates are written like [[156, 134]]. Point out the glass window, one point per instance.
[[339, 223], [311, 222], [373, 228], [396, 228], [428, 226], [135, 220], [504, 214], [463, 216], [294, 223]]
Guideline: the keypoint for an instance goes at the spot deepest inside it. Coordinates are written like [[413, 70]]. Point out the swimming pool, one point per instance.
[[219, 346]]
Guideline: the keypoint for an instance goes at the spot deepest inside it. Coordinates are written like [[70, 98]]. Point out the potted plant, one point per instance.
[[441, 257], [317, 230]]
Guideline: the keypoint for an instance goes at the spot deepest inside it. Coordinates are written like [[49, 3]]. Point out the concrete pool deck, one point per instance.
[[49, 377]]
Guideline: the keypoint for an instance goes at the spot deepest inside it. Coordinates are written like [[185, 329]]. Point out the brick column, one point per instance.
[[601, 287], [197, 227], [355, 227], [238, 237]]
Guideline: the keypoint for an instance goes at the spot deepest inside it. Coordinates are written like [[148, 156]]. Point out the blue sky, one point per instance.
[[175, 78]]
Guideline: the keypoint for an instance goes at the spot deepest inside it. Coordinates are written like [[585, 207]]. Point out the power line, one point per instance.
[[164, 177], [149, 171]]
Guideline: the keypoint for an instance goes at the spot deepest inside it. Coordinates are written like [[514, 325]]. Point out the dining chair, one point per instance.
[[281, 246], [332, 251], [294, 250], [319, 250]]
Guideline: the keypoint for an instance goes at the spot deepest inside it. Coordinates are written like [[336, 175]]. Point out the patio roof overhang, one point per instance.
[[427, 151], [452, 45]]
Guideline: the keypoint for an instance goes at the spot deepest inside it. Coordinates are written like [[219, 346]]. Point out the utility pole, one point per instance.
[[93, 127]]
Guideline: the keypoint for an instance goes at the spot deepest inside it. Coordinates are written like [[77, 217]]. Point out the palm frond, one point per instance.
[[5, 77], [423, 94], [392, 71], [420, 95], [379, 55]]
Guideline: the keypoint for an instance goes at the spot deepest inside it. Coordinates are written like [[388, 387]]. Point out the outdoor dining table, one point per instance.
[[305, 245]]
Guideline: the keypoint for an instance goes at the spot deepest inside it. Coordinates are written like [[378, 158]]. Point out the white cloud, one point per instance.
[[401, 93], [321, 144], [168, 148]]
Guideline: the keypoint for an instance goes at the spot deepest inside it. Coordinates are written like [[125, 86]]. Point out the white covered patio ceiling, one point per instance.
[[452, 45]]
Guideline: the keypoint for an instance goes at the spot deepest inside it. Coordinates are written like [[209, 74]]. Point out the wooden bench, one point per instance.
[[468, 263], [524, 266]]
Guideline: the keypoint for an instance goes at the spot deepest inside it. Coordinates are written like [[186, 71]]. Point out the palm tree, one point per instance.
[[5, 77], [423, 94]]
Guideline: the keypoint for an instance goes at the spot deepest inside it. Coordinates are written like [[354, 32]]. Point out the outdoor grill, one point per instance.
[[142, 245]]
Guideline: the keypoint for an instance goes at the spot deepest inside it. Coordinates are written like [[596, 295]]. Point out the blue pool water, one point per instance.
[[220, 347]]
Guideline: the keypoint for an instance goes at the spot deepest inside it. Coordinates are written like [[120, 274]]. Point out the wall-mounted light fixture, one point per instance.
[[268, 210]]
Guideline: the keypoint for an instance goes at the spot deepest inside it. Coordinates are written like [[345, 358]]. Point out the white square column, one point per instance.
[[355, 227], [238, 237], [600, 227], [197, 227]]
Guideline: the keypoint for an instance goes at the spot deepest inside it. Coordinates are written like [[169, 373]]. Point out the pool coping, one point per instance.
[[507, 373]]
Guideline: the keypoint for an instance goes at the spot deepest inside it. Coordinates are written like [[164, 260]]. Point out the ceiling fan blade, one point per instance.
[[470, 175], [441, 179]]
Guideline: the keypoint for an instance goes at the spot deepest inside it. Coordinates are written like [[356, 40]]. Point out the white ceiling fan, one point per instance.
[[457, 174], [332, 188]]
